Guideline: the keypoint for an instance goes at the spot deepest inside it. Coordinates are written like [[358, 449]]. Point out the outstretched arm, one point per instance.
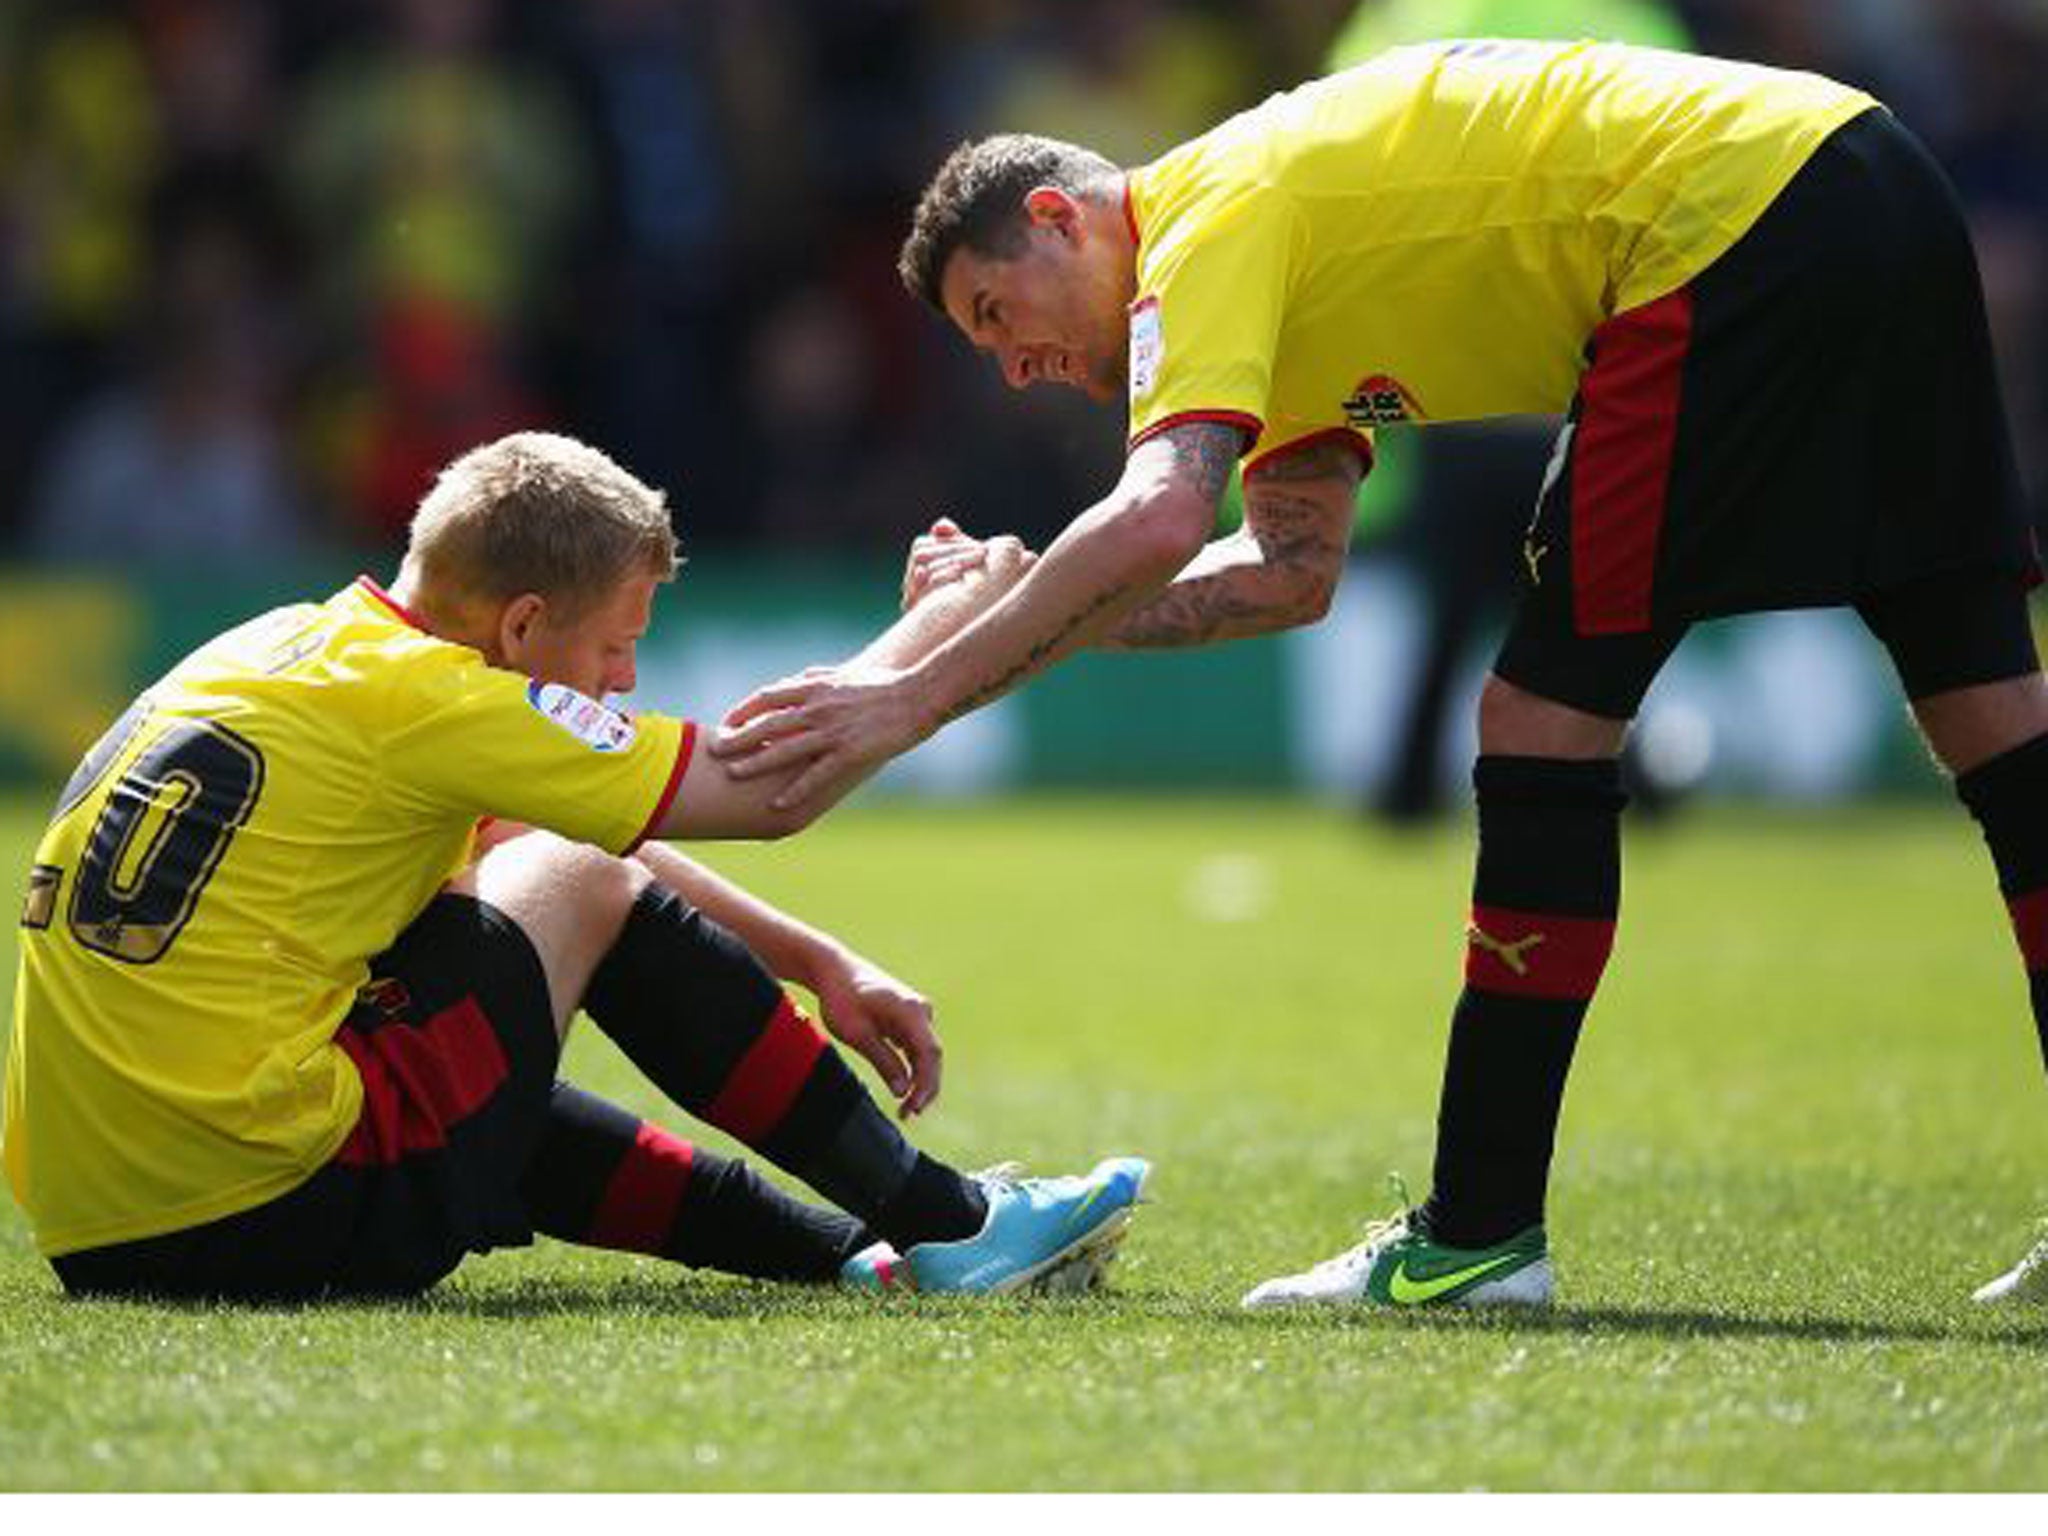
[[943, 611], [714, 802], [1277, 572], [1111, 560], [835, 728]]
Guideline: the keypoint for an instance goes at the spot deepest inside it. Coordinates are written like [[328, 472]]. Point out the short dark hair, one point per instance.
[[976, 199]]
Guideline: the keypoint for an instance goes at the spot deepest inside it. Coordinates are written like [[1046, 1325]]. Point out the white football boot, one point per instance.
[[2026, 1281], [1398, 1266]]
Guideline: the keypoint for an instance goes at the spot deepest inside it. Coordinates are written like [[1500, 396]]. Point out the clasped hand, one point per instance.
[[833, 726]]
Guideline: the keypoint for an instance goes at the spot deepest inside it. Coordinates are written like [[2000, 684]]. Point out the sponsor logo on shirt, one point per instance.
[[598, 726], [1148, 346], [1381, 400]]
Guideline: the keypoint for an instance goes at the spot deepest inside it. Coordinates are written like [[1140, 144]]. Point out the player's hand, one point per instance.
[[1006, 560], [890, 1024], [942, 555], [830, 726], [946, 555]]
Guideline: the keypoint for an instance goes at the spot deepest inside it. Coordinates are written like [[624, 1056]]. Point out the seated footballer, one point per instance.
[[308, 927]]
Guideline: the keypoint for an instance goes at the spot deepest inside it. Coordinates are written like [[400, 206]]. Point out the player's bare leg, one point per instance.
[[570, 900], [1513, 722], [1962, 643], [1994, 738], [1967, 727]]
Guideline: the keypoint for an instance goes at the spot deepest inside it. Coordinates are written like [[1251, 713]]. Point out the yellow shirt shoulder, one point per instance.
[[1433, 235]]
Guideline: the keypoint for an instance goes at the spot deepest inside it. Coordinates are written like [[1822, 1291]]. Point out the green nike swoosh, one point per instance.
[[1083, 1208], [1409, 1293]]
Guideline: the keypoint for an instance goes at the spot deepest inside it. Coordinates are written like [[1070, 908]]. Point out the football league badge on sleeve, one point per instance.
[[1148, 346], [598, 726], [1379, 401]]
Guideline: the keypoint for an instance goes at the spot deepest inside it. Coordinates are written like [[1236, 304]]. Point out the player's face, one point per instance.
[[1052, 315], [594, 652]]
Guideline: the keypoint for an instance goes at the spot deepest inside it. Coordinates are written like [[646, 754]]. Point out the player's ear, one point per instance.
[[1052, 208], [517, 621]]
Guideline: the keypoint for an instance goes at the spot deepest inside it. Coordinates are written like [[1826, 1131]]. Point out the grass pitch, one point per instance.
[[1808, 1118]]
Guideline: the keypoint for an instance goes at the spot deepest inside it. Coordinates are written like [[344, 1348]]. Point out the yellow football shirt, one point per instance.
[[1433, 235], [219, 872]]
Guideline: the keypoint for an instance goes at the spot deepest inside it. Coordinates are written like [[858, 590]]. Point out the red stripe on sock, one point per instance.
[[2030, 927], [638, 1209], [420, 1081], [1621, 462], [1536, 954], [769, 1077]]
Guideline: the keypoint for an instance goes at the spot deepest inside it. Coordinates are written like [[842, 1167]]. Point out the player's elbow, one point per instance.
[[776, 823], [1165, 532], [1313, 598]]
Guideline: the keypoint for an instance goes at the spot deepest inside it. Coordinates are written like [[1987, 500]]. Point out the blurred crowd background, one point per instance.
[[265, 265]]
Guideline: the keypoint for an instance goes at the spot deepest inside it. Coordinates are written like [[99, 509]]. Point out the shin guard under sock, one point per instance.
[[1544, 900], [2009, 798], [695, 1011], [608, 1179]]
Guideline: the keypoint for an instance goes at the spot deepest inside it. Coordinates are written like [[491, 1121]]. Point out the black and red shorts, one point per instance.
[[455, 1044], [1812, 421]]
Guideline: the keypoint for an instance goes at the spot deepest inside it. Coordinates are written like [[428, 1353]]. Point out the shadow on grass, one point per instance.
[[679, 1295], [686, 1296], [627, 1295], [1631, 1322]]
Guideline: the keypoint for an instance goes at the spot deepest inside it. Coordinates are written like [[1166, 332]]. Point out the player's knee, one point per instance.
[[574, 883], [1514, 722], [604, 888]]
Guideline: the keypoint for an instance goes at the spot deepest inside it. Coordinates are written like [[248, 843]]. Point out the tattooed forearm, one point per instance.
[[1192, 612], [1036, 657], [1253, 596], [1277, 572]]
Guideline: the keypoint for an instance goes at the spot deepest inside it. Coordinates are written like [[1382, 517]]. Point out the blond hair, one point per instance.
[[536, 512]]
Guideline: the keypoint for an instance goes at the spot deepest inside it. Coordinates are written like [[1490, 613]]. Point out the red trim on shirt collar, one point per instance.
[[371, 586], [1131, 213]]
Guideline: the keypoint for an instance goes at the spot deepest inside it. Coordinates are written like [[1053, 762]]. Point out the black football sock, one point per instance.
[[1544, 900], [693, 1008], [2009, 798], [607, 1179]]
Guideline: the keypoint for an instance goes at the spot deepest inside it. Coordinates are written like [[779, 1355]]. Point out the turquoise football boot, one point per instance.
[[1048, 1234]]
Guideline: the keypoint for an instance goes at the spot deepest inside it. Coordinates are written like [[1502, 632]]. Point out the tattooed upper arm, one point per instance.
[[1299, 507], [1202, 455]]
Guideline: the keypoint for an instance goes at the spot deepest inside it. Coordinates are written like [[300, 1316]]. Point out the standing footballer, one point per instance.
[[1752, 292]]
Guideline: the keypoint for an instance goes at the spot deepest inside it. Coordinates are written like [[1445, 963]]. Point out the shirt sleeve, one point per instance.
[[475, 740], [1206, 322]]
